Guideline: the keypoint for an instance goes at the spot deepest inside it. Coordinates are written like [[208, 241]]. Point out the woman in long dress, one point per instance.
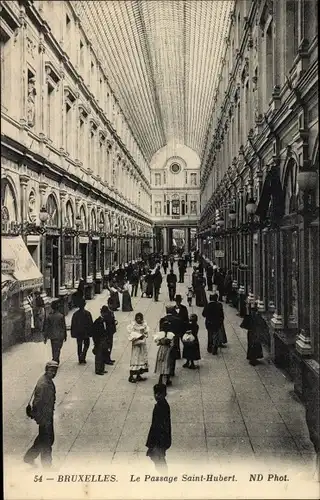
[[126, 300], [138, 334], [143, 285], [114, 297], [251, 322], [164, 340], [200, 291], [191, 350]]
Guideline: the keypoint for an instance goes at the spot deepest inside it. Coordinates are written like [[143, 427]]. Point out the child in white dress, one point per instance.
[[138, 334], [164, 340]]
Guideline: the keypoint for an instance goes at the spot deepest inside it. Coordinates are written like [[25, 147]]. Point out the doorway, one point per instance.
[[83, 256], [52, 266]]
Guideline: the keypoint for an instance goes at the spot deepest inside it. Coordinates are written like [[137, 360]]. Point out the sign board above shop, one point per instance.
[[83, 239], [8, 266], [219, 254]]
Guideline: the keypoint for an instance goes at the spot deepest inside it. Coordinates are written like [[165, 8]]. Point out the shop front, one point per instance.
[[20, 276]]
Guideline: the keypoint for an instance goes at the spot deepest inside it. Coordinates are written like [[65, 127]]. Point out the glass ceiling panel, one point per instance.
[[163, 59]]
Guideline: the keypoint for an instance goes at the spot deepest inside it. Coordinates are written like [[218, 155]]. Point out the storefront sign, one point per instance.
[[8, 266], [83, 239], [95, 238], [30, 284], [219, 254]]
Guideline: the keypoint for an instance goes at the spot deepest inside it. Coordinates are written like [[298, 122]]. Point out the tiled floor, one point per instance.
[[226, 410]]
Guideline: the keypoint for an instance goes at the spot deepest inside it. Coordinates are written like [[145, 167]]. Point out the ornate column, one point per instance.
[[63, 293], [24, 180], [42, 86], [90, 284], [78, 271], [98, 278], [61, 142], [23, 62]]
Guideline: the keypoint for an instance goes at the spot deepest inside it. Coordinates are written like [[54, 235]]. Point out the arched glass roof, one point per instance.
[[163, 59]]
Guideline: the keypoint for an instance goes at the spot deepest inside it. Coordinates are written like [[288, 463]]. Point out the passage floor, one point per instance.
[[225, 411]]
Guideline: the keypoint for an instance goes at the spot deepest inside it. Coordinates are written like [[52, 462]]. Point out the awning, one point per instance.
[[24, 269]]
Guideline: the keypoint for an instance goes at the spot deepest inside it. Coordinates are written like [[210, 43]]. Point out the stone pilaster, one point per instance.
[[24, 180], [62, 287]]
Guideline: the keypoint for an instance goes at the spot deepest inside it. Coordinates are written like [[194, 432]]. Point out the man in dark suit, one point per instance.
[[172, 284], [214, 317], [159, 437], [182, 312], [55, 329], [182, 270], [157, 280], [81, 329], [209, 273], [103, 330]]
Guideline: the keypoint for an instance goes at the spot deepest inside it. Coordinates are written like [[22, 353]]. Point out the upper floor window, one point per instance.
[[193, 207], [157, 208], [193, 179], [157, 179]]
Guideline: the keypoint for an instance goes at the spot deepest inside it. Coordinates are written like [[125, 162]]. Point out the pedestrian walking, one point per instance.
[[177, 326], [126, 299], [228, 289], [171, 260], [149, 279], [214, 317], [164, 340], [182, 270], [42, 411], [209, 274], [38, 312], [190, 296], [138, 334], [134, 282], [55, 330], [172, 284], [159, 437], [157, 281], [200, 290], [103, 330], [165, 264], [81, 330], [191, 347], [252, 323], [79, 294]]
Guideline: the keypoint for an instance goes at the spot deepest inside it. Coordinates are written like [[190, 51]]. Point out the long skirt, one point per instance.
[[254, 350], [201, 297], [222, 335], [139, 359], [126, 302], [163, 360], [191, 350], [115, 302], [149, 290], [143, 285]]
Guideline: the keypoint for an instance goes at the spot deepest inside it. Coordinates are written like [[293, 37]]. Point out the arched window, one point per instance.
[[83, 219], [32, 207], [93, 221], [291, 188], [8, 205], [52, 209], [69, 222], [291, 246], [102, 224]]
